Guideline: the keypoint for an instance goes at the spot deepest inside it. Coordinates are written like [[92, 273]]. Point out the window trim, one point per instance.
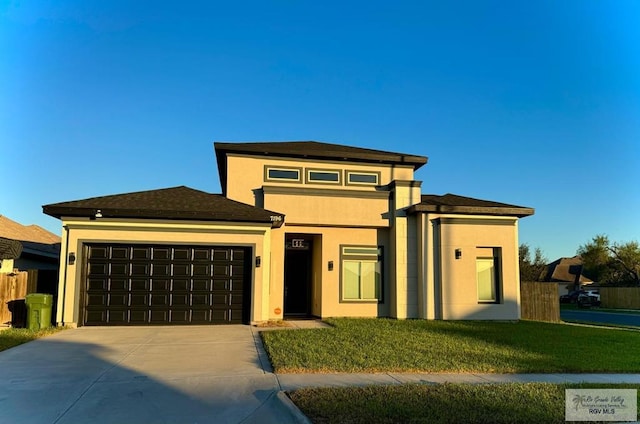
[[308, 179], [268, 168], [497, 277], [362, 257], [348, 173]]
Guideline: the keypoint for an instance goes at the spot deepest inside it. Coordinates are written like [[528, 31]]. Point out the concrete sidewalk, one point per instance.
[[290, 382]]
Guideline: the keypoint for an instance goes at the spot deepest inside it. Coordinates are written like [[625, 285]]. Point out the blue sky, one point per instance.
[[530, 103]]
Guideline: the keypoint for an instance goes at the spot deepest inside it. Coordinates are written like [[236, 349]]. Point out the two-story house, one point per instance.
[[300, 229]]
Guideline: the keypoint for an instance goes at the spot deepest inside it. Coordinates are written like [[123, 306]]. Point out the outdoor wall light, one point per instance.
[[458, 253], [98, 214], [72, 258], [330, 265], [258, 261]]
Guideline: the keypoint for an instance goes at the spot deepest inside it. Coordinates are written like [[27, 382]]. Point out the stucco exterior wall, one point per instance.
[[303, 207], [455, 296], [245, 175], [77, 232], [326, 294]]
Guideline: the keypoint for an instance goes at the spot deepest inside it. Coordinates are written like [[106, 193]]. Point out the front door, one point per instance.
[[297, 276]]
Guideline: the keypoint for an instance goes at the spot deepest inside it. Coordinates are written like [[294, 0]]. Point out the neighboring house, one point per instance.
[[300, 229], [26, 247], [567, 273]]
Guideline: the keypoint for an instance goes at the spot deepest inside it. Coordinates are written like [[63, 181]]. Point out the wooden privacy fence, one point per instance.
[[539, 301], [620, 297], [13, 289]]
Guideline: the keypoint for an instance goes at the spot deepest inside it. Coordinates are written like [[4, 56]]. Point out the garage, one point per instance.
[[171, 256], [138, 284]]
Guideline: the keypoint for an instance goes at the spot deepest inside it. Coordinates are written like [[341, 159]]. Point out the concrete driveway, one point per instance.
[[212, 374]]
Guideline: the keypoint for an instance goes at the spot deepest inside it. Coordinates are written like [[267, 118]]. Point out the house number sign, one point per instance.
[[297, 244]]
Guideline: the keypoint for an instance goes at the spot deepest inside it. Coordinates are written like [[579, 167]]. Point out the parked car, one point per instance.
[[589, 298], [571, 297]]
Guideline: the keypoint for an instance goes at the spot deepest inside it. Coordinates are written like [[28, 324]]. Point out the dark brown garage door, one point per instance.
[[166, 285]]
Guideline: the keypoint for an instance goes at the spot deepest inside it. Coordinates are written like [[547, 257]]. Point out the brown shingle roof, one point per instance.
[[15, 231], [312, 150], [453, 203], [168, 203], [566, 269]]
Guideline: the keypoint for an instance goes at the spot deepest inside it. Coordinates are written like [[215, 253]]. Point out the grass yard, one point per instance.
[[17, 336], [385, 345], [441, 403]]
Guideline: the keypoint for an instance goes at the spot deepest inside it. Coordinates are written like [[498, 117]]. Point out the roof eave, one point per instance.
[[59, 212], [519, 212], [225, 148]]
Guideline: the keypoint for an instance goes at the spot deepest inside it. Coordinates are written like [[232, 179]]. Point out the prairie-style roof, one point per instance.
[[169, 203], [455, 204], [312, 150]]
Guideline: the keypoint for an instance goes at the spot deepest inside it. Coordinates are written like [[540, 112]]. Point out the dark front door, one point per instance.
[[166, 285], [297, 277]]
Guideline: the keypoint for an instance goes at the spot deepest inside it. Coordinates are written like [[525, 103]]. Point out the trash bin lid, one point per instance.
[[39, 298]]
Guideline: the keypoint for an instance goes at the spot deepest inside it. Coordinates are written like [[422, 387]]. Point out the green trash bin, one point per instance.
[[38, 310]]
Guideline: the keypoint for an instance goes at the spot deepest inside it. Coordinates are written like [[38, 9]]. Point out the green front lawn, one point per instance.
[[441, 403], [385, 345], [17, 336]]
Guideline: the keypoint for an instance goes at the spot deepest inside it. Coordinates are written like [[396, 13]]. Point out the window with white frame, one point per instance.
[[361, 273], [488, 277]]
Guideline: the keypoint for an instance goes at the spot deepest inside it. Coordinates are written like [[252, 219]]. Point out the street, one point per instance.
[[595, 316]]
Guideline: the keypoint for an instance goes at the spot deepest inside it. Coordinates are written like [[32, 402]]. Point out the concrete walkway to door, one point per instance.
[[202, 374]]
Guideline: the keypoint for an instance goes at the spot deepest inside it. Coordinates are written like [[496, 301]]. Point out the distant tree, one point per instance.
[[531, 269], [611, 263]]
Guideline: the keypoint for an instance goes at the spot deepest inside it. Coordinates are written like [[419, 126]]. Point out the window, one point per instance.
[[281, 173], [322, 176], [361, 273], [488, 277], [363, 178]]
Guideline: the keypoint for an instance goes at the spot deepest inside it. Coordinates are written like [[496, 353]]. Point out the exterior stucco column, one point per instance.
[[404, 250]]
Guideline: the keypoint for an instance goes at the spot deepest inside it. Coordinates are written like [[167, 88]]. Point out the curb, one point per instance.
[[295, 412]]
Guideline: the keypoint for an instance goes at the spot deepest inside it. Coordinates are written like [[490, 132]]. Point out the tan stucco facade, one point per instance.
[[78, 232], [419, 264]]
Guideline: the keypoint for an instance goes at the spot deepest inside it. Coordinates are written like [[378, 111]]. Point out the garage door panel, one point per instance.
[[158, 299], [181, 270], [201, 316], [97, 300], [140, 285], [118, 299], [201, 270], [201, 254], [97, 283], [159, 316], [118, 316], [118, 284], [200, 301], [118, 252], [180, 299], [201, 285], [137, 300], [98, 268], [141, 253], [138, 316], [98, 317], [182, 253], [160, 269], [159, 285], [118, 269]]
